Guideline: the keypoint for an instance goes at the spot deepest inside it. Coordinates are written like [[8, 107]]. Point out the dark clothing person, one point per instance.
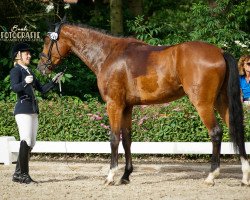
[[24, 83], [26, 103]]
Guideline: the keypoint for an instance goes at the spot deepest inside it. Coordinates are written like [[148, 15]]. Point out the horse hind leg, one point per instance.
[[246, 171], [223, 109], [216, 137], [207, 116]]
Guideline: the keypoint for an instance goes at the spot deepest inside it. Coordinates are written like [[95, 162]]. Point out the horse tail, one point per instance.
[[236, 125]]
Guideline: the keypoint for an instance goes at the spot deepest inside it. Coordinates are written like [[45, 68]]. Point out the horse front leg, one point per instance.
[[126, 141], [115, 117]]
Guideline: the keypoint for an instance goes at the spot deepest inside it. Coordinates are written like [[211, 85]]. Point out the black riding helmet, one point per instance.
[[20, 47]]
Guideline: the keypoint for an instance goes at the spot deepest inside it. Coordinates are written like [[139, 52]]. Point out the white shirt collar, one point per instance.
[[25, 67]]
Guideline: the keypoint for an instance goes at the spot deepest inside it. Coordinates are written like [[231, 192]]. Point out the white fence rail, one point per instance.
[[9, 148]]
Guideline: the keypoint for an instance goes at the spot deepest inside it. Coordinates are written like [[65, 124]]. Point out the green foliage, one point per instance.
[[8, 125], [4, 78], [145, 30], [71, 119], [176, 121], [223, 25]]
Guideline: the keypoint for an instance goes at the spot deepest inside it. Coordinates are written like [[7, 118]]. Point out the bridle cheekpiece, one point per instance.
[[54, 36]]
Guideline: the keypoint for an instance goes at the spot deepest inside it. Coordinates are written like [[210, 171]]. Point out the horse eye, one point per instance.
[[46, 39]]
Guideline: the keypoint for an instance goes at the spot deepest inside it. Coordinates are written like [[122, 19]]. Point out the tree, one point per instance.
[[116, 18], [135, 6]]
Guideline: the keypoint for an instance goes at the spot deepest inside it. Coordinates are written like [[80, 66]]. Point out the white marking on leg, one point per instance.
[[211, 176], [246, 170], [111, 175]]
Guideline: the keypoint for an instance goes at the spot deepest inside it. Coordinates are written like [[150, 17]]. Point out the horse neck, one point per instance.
[[90, 46]]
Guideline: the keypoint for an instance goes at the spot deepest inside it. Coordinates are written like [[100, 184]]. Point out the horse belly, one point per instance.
[[154, 89], [163, 93], [158, 84]]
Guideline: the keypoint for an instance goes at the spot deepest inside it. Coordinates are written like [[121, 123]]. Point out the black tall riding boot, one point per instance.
[[17, 172], [24, 152]]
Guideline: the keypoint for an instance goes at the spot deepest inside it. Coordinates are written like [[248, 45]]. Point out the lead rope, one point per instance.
[[66, 152], [60, 83], [65, 145], [60, 87], [66, 155]]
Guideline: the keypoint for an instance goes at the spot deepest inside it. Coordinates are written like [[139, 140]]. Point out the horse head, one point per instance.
[[55, 48]]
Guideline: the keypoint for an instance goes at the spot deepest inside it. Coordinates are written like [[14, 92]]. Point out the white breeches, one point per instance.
[[27, 127]]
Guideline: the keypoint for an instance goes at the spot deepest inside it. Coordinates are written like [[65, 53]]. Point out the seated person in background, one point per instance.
[[244, 71]]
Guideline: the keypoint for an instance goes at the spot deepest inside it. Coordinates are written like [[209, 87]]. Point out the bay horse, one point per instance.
[[130, 72]]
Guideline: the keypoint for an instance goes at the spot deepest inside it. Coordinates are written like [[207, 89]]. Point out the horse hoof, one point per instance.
[[108, 182], [123, 182], [245, 184], [209, 183]]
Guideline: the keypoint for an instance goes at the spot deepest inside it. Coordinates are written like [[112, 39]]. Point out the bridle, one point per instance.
[[54, 36]]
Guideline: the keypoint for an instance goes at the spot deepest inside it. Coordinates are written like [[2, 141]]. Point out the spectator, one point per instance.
[[244, 71]]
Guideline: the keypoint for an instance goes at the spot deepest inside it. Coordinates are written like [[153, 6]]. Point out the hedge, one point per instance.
[[70, 119]]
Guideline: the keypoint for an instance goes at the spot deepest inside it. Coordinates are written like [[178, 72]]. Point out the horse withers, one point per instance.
[[130, 72]]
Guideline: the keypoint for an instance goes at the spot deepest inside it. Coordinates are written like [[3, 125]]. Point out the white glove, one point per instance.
[[57, 77], [28, 79]]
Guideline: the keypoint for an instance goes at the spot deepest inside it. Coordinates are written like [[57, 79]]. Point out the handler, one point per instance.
[[24, 82]]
